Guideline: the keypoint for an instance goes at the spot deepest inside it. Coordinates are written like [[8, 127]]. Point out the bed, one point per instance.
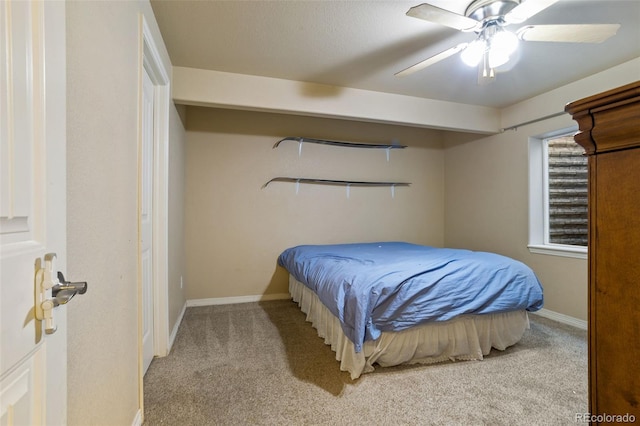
[[391, 303]]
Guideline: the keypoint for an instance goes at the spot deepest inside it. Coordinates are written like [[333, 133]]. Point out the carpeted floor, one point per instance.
[[262, 364]]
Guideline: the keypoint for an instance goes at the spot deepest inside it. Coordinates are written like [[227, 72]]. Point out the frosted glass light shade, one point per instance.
[[504, 41], [472, 55], [501, 46]]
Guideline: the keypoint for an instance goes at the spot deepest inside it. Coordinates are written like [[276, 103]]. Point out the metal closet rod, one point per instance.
[[546, 117], [340, 143], [334, 182]]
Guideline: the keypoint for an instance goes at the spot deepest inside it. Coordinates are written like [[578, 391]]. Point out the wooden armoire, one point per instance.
[[609, 131]]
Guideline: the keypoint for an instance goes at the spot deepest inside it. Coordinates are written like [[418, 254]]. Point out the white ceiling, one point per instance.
[[361, 44]]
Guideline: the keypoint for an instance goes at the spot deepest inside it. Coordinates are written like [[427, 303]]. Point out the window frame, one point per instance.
[[539, 200]]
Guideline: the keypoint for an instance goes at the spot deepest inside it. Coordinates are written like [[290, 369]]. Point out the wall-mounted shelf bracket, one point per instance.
[[300, 140], [347, 183]]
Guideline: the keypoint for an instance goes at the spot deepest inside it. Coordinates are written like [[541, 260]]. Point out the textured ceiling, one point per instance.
[[362, 44]]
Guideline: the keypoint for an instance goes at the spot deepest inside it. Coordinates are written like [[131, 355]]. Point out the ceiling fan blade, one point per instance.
[[432, 60], [578, 33], [526, 10], [442, 16]]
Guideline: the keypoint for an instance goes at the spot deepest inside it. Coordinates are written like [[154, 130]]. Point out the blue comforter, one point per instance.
[[391, 286]]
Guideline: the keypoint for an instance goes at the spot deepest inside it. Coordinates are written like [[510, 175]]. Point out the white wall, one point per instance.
[[103, 73]]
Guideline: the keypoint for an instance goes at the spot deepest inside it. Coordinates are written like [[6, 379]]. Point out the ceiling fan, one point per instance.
[[494, 44]]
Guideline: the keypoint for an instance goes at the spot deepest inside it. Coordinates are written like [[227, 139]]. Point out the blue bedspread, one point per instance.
[[391, 286]]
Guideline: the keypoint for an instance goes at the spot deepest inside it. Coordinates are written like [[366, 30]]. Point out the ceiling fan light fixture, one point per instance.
[[504, 41], [494, 45], [497, 58], [501, 45], [474, 52]]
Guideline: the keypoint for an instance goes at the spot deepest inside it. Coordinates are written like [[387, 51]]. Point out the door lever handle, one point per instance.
[[52, 292], [65, 291]]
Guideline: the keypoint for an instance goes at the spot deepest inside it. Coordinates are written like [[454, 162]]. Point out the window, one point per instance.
[[566, 191], [557, 195]]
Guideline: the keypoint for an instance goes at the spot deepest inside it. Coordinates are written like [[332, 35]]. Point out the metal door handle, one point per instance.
[[65, 291], [51, 292]]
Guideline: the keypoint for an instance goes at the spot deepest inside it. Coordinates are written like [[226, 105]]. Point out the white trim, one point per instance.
[[137, 420], [237, 299], [545, 192], [152, 62], [564, 319], [174, 332], [575, 252], [536, 191], [538, 200]]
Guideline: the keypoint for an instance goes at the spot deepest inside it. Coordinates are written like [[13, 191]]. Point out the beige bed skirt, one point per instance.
[[467, 337]]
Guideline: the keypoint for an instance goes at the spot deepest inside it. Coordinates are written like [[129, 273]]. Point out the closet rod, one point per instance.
[[334, 182], [340, 143], [515, 126]]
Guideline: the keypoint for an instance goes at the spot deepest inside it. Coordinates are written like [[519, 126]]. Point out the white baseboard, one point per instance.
[[172, 336], [137, 420], [565, 319], [237, 299]]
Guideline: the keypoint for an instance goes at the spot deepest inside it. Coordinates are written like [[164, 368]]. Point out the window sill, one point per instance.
[[559, 250]]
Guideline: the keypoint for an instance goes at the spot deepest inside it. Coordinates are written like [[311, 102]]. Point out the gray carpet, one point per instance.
[[262, 364]]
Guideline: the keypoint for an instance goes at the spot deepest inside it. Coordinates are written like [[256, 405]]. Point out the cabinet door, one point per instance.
[[615, 290]]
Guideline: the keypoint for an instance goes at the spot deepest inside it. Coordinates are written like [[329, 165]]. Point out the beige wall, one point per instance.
[[486, 189], [487, 208], [103, 71], [235, 230], [176, 266]]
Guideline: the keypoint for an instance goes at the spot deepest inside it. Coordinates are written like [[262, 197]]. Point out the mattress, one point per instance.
[[466, 337], [394, 286]]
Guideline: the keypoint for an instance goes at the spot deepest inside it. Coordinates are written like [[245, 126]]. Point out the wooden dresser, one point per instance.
[[609, 131]]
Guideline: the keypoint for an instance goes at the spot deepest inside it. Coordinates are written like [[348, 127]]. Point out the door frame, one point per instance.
[[151, 61]]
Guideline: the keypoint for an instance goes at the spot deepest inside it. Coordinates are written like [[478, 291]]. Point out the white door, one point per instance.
[[146, 220], [33, 387]]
